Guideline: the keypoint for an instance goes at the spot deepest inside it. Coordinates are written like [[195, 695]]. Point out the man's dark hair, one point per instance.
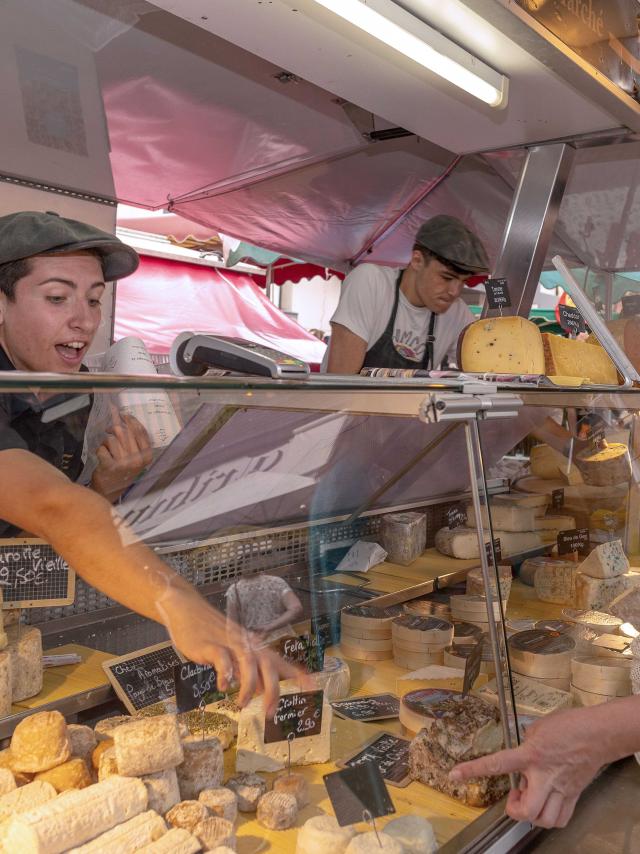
[[428, 255], [13, 271], [10, 273]]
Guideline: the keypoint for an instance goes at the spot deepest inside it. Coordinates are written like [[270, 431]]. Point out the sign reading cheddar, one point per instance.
[[602, 32]]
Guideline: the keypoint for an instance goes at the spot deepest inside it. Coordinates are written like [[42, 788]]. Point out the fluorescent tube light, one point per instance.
[[387, 22]]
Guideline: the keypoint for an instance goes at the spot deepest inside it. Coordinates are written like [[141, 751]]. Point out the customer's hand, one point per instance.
[[560, 756]]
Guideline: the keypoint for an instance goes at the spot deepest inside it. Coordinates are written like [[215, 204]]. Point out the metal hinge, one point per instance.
[[447, 406]]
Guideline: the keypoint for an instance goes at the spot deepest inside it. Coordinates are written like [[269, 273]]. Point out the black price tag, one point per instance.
[[356, 791], [306, 650], [557, 499], [571, 320], [377, 707], [32, 575], [145, 677], [456, 516], [497, 291], [576, 540], [472, 666], [327, 627], [497, 548], [297, 716], [390, 753], [196, 684]]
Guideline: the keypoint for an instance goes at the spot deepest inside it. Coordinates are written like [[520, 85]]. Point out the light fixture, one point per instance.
[[387, 22]]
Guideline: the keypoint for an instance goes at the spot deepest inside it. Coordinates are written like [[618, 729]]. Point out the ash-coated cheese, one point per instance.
[[73, 774], [214, 831], [531, 697], [6, 684], [555, 580], [25, 798], [403, 536], [277, 810], [83, 740], [503, 345], [252, 754], [414, 833], [462, 543], [25, 649], [176, 841], [132, 835], [249, 788], [162, 788], [598, 593], [322, 834], [147, 745], [187, 814], [371, 843], [202, 768], [607, 560], [504, 515], [290, 783], [76, 817], [220, 801], [40, 742]]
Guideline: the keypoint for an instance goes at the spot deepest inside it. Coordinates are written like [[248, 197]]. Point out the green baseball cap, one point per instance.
[[450, 239], [28, 233]]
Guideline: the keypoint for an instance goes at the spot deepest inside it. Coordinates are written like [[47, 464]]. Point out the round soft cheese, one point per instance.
[[541, 653], [371, 843], [423, 631], [322, 834], [602, 675], [414, 832], [456, 656], [465, 633], [418, 709], [598, 621]]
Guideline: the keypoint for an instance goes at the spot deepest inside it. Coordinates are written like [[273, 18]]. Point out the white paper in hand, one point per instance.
[[361, 557]]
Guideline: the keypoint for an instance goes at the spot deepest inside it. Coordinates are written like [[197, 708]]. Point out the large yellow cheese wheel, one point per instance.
[[504, 345]]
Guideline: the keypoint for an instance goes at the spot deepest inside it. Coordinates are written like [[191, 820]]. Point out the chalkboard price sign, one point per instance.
[[306, 650], [195, 685], [297, 716], [144, 677], [497, 291], [557, 499], [571, 320], [376, 707], [327, 626], [576, 540], [33, 575], [456, 516], [391, 755], [497, 548], [357, 791]]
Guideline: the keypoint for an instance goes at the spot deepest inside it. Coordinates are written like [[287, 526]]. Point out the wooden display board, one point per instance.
[[33, 575]]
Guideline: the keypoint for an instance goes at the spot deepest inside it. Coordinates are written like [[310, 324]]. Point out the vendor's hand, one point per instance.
[[124, 454], [558, 759], [205, 636]]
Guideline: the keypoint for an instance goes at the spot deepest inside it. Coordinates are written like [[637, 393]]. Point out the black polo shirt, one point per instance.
[[52, 429]]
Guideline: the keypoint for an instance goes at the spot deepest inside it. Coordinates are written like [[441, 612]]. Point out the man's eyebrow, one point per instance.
[[69, 282]]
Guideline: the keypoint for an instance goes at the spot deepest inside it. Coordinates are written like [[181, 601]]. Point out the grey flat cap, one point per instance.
[[29, 233], [450, 238]]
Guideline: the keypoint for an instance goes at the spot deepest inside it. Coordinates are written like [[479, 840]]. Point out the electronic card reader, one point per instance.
[[193, 353]]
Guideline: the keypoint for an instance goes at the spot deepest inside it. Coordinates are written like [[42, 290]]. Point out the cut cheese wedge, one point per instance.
[[502, 345], [570, 358]]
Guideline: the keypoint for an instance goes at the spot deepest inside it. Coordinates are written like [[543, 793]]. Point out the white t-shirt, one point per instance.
[[366, 303]]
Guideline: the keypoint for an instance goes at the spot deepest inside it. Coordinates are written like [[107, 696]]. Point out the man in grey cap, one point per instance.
[[409, 318], [52, 277]]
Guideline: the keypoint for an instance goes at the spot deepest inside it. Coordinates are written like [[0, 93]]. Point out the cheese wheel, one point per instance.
[[357, 653], [367, 619], [220, 801], [415, 660], [582, 635], [542, 654], [606, 464], [214, 831], [462, 543], [475, 582], [602, 675], [465, 633], [589, 698], [162, 790], [424, 631], [503, 345], [277, 810], [554, 580], [202, 768], [372, 842], [322, 834], [561, 683], [505, 516], [40, 742], [147, 745], [371, 644], [473, 609], [419, 708], [249, 788], [598, 621], [414, 833], [428, 608], [187, 814], [25, 649], [293, 784]]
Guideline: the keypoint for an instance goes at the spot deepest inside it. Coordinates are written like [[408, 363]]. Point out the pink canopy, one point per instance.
[[164, 298]]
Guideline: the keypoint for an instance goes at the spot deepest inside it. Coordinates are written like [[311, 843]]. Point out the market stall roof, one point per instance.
[[163, 298], [278, 151]]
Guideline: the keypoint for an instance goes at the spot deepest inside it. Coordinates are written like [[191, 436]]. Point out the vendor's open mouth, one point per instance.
[[71, 352]]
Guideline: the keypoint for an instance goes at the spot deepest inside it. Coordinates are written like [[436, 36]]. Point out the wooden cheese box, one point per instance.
[[542, 654], [598, 675]]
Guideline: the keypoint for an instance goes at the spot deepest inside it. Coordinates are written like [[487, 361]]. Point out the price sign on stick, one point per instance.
[[557, 499], [377, 707], [497, 291], [571, 320], [358, 790], [306, 650], [497, 548], [298, 714], [196, 684], [33, 575], [389, 752], [576, 540], [145, 677], [456, 516]]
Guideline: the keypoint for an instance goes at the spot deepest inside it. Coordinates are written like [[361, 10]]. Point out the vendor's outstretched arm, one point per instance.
[[83, 528], [561, 755]]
